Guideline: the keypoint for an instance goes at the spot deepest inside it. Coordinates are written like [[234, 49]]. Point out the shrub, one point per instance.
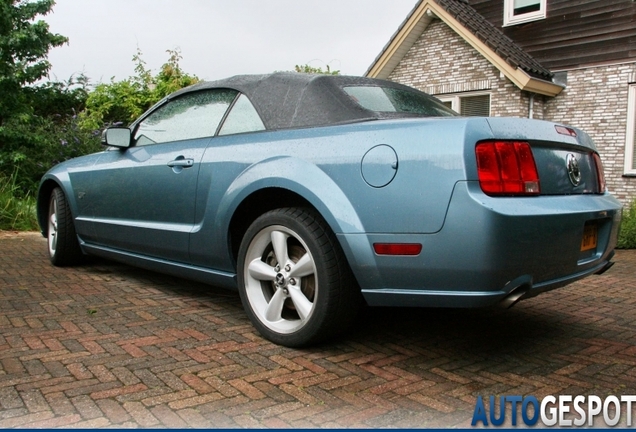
[[63, 120], [48, 133], [33, 144], [627, 235], [124, 101]]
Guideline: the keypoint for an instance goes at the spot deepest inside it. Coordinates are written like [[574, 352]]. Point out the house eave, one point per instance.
[[417, 23], [530, 84], [401, 43]]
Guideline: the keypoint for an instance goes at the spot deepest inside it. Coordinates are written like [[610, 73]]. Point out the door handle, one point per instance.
[[181, 162]]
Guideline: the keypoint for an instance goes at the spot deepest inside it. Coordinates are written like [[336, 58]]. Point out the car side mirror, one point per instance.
[[116, 137]]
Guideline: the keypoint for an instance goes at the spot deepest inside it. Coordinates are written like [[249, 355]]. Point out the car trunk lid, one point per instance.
[[564, 156]]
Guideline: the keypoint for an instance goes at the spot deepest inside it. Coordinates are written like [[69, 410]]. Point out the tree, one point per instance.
[[24, 45], [65, 119], [315, 70], [32, 142], [124, 101]]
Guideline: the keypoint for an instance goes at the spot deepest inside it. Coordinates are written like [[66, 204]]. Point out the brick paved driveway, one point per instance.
[[109, 345]]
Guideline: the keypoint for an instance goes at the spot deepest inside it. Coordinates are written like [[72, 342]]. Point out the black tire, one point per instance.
[[315, 267], [63, 246]]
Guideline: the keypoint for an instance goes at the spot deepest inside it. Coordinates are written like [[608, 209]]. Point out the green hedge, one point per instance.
[[627, 235]]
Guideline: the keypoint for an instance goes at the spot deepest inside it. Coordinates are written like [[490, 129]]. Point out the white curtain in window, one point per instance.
[[526, 6], [526, 3]]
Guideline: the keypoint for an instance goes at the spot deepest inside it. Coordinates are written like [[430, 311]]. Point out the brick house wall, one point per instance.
[[440, 63], [595, 100]]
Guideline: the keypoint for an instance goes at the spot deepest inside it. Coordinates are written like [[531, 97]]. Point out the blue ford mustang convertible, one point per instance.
[[313, 194]]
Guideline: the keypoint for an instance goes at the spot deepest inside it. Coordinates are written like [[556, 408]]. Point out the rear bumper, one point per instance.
[[517, 290], [487, 249]]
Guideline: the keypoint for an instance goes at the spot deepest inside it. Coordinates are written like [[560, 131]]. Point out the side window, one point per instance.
[[521, 11], [468, 105], [193, 115], [242, 118], [390, 100]]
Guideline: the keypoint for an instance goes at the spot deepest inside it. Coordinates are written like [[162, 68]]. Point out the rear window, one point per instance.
[[393, 100]]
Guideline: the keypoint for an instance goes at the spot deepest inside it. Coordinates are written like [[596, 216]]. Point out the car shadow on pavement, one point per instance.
[[487, 331], [536, 324]]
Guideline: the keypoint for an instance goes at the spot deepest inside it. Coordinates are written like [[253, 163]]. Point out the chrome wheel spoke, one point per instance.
[[304, 267], [261, 271], [61, 237], [52, 237], [275, 307], [280, 279], [301, 303], [54, 221], [279, 243]]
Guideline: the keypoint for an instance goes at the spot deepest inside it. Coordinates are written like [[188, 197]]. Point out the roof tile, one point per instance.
[[494, 38]]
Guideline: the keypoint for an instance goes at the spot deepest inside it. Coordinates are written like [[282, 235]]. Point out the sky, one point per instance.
[[220, 38]]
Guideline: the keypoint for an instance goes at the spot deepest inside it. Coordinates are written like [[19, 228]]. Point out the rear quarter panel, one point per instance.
[[324, 166]]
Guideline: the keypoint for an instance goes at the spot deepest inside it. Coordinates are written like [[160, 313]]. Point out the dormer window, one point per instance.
[[521, 11]]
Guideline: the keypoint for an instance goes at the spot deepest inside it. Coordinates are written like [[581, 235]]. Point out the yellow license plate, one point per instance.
[[590, 237]]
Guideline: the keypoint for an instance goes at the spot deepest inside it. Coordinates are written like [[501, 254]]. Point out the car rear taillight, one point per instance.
[[507, 168], [600, 173]]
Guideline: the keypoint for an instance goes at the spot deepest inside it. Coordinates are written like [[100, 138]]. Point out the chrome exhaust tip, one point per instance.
[[605, 268], [514, 296]]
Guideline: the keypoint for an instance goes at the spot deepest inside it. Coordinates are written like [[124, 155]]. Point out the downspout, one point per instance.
[[531, 106]]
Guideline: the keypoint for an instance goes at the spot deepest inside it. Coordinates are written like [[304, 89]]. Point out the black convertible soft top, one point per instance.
[[287, 100]]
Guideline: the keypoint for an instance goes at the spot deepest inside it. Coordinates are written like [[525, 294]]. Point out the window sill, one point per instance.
[[523, 20]]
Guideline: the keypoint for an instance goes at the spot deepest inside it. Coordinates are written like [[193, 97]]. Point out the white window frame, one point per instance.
[[511, 19], [455, 100], [630, 139]]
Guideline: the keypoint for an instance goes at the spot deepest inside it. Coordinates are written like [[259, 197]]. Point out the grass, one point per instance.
[[17, 214]]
